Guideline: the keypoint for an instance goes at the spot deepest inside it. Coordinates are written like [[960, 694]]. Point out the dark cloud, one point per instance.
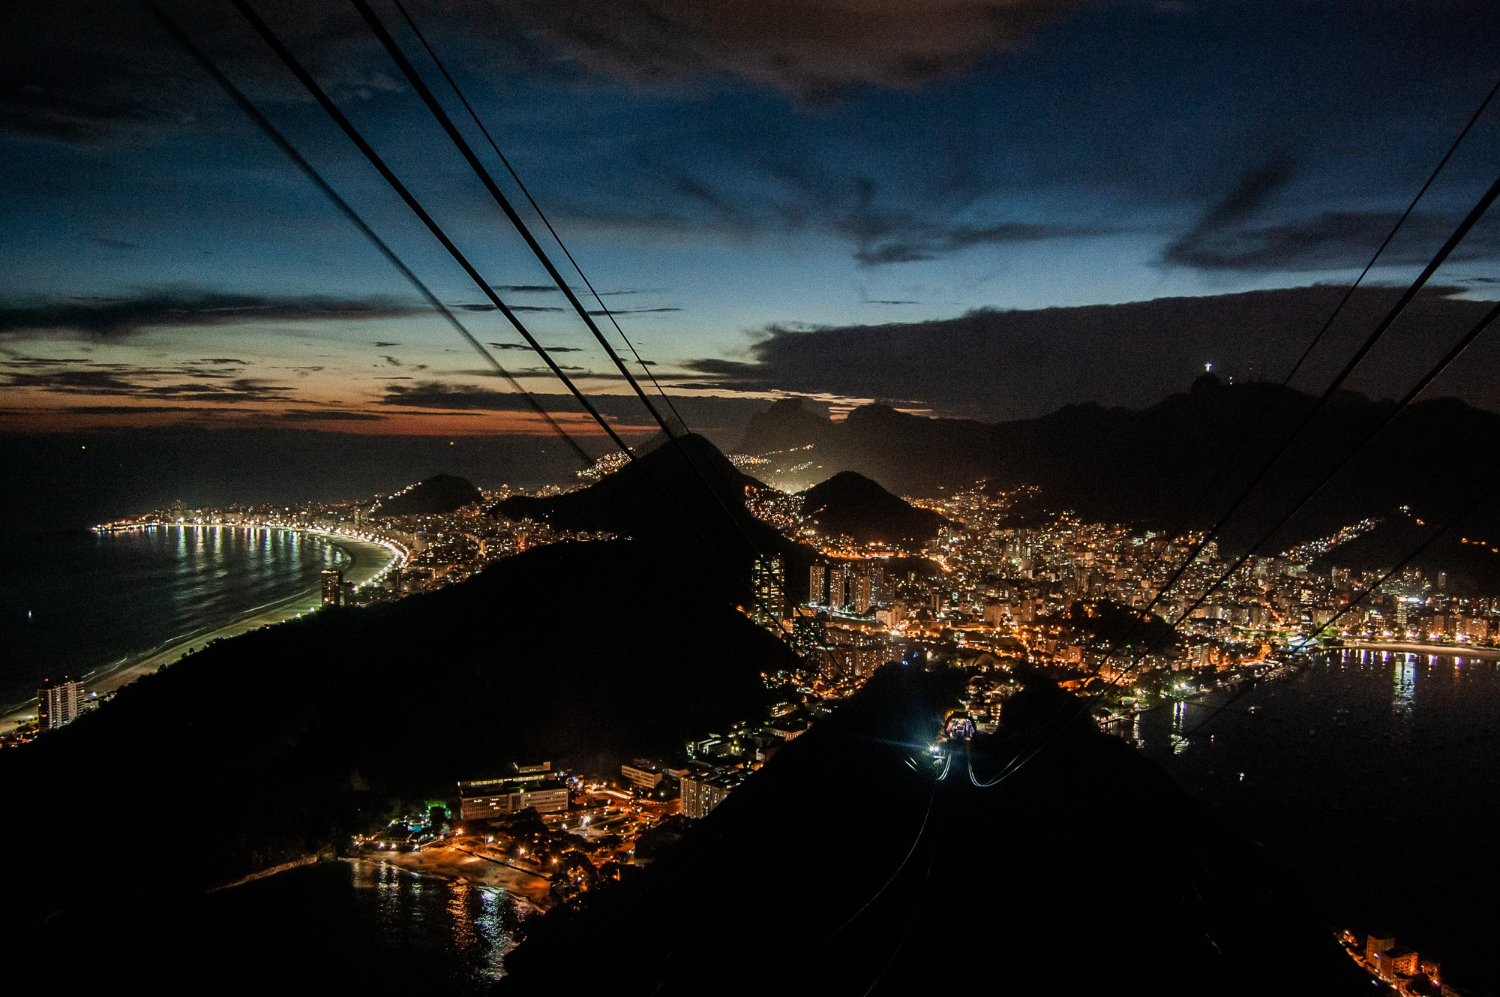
[[635, 311], [918, 242], [180, 384], [73, 381], [883, 225], [725, 417], [89, 71], [1250, 192], [392, 361], [1016, 364], [120, 318], [328, 415], [460, 397], [382, 343], [1330, 240], [813, 48], [196, 410], [524, 346], [222, 361], [524, 309], [553, 289]]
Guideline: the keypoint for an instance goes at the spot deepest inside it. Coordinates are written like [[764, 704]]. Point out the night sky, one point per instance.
[[758, 188]]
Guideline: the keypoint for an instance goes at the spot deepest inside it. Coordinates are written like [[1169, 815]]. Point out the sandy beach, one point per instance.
[[450, 862], [365, 561]]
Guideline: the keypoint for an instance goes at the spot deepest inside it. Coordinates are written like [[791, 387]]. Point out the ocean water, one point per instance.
[[77, 601], [338, 927], [1373, 776]]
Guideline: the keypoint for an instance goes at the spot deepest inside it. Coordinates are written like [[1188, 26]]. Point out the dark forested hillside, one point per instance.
[[852, 505], [268, 746], [686, 499], [432, 496], [844, 863]]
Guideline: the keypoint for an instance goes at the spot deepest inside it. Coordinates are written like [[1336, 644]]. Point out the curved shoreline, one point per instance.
[[109, 677]]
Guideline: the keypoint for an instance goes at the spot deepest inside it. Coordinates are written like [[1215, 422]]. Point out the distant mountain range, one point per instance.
[[432, 497], [852, 505], [1174, 463]]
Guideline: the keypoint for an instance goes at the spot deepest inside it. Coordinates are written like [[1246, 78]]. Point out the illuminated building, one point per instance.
[[702, 791], [1377, 942], [854, 655], [333, 587], [1396, 962], [1472, 628], [838, 586], [643, 774], [860, 592], [768, 582], [535, 786], [58, 703], [817, 580]]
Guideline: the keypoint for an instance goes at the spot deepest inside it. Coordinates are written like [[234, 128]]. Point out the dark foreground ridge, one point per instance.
[[281, 742], [843, 868]]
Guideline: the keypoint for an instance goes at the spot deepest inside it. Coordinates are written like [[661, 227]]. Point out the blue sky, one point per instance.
[[730, 177]]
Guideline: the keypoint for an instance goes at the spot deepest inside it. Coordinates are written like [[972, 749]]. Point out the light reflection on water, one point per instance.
[[1332, 766], [137, 589], [1404, 675], [474, 924], [337, 927]]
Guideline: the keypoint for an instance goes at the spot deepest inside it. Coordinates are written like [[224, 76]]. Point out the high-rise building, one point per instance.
[[768, 583], [1399, 961], [58, 703], [817, 581], [1377, 942], [838, 586], [859, 593], [333, 587]]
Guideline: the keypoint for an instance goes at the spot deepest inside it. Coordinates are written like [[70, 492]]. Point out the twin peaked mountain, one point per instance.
[[686, 497]]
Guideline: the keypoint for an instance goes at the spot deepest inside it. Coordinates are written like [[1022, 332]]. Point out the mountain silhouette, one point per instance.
[[1175, 464], [687, 500], [431, 497], [852, 505]]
